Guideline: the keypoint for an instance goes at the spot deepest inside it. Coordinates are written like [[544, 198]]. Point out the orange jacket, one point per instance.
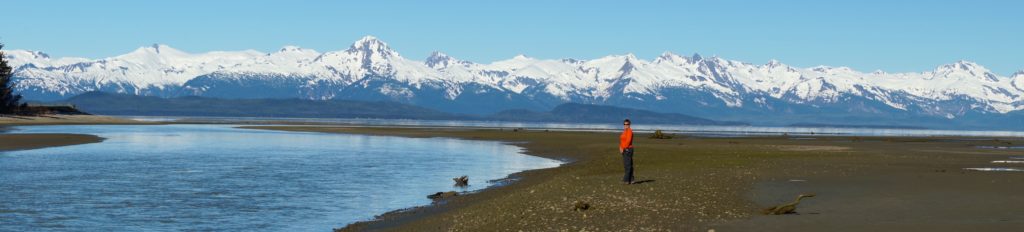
[[626, 139]]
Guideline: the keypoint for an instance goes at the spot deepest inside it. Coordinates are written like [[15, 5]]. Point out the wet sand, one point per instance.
[[10, 142], [697, 184]]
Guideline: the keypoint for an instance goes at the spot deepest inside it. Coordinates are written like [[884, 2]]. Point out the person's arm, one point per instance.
[[621, 145]]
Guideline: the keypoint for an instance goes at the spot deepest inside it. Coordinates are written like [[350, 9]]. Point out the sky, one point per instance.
[[867, 35]]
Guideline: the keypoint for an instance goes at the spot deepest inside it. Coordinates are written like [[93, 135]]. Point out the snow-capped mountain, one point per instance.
[[370, 70]]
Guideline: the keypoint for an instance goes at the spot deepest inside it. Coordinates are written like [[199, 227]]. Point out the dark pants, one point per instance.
[[627, 161]]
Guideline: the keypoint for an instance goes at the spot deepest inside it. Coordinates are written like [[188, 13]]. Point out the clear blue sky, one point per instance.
[[866, 35]]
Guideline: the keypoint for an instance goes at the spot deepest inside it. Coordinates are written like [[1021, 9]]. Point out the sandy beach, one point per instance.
[[699, 184], [9, 142]]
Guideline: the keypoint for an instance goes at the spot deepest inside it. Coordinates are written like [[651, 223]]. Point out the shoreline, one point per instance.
[[9, 142], [14, 142], [697, 184], [396, 218], [43, 120]]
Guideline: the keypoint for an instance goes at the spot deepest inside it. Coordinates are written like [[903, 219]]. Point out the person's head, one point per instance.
[[626, 123]]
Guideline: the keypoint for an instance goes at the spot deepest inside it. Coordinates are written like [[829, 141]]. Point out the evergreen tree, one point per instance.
[[8, 100]]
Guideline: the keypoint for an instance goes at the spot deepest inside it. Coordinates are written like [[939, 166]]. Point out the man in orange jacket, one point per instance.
[[626, 149]]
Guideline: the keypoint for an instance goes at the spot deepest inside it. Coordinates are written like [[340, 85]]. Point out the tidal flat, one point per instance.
[[699, 183]]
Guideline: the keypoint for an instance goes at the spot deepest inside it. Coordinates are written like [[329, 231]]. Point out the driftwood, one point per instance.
[[442, 195], [461, 181], [786, 208]]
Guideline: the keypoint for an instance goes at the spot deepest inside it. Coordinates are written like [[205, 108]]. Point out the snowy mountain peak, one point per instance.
[[439, 60], [521, 57], [669, 57], [961, 65], [964, 69], [629, 64], [370, 45], [161, 48], [1018, 74], [154, 51]]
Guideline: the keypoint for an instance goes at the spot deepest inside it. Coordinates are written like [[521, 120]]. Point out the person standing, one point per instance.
[[626, 149]]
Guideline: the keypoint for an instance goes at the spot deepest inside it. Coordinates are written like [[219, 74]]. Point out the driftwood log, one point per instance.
[[442, 195], [461, 181], [786, 208]]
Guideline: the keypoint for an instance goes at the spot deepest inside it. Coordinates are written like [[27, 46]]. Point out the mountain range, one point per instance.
[[962, 94], [125, 104]]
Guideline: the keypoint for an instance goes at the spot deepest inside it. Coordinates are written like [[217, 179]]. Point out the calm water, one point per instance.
[[215, 177], [695, 130]]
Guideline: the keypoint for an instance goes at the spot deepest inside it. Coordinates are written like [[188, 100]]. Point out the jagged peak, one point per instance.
[[1018, 74], [371, 45], [368, 39], [438, 55], [696, 57]]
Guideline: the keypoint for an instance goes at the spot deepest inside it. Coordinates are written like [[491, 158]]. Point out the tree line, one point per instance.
[[10, 102]]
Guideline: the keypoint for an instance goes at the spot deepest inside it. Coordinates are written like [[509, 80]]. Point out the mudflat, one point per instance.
[[9, 142], [699, 184]]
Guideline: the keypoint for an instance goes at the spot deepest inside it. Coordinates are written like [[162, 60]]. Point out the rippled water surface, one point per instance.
[[216, 177]]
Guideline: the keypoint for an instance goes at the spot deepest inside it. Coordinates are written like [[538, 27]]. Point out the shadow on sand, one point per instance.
[[643, 181]]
